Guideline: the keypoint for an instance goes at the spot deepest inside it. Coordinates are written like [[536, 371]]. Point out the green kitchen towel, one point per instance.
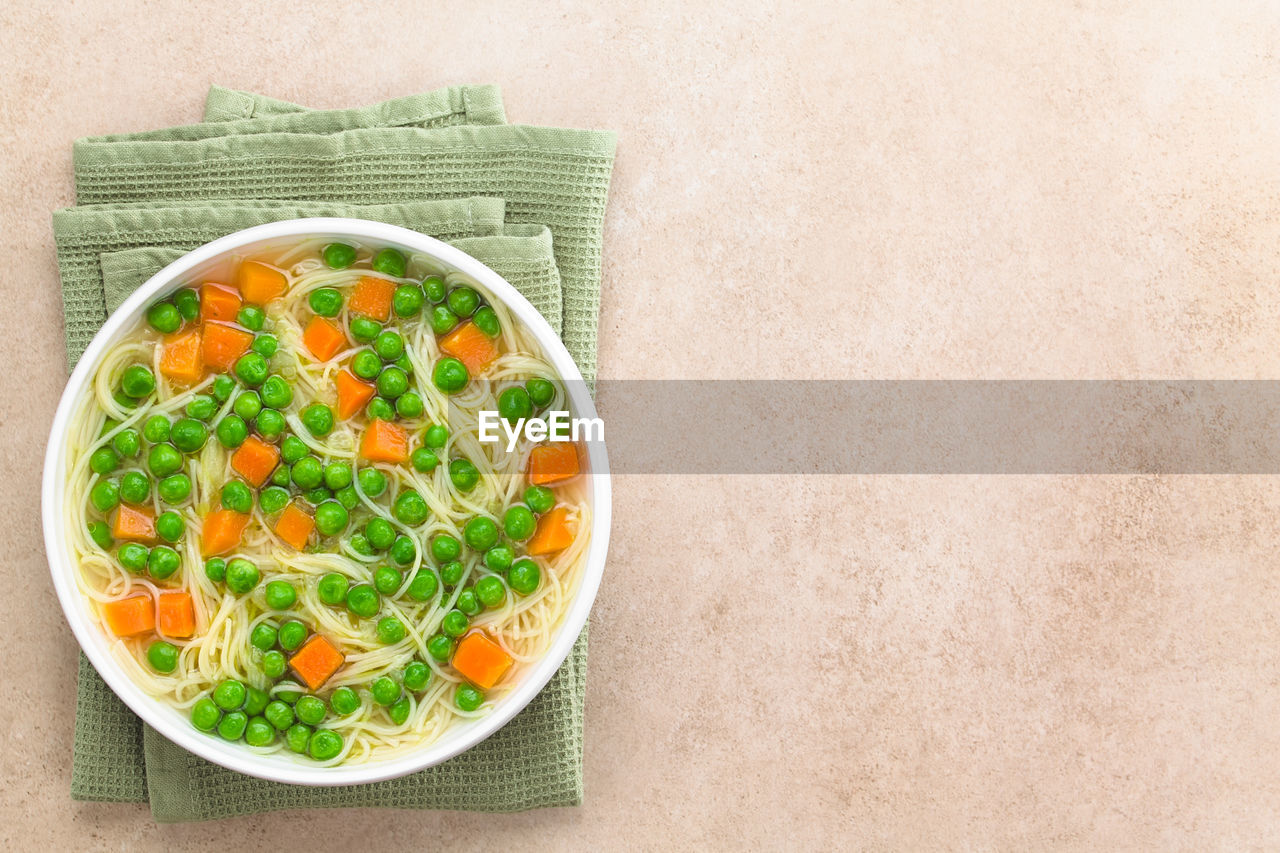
[[143, 211], [548, 176], [116, 757]]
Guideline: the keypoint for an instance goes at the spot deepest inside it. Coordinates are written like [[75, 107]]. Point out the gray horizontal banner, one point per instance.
[[941, 427]]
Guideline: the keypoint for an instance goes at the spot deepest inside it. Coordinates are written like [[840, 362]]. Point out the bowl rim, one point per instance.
[[168, 721]]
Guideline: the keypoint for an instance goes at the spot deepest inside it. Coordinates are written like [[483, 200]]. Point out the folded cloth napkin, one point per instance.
[[107, 248]]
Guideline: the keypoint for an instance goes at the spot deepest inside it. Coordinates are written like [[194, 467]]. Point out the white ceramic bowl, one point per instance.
[[175, 725]]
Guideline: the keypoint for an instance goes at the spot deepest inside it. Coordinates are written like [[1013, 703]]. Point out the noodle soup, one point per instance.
[[281, 511]]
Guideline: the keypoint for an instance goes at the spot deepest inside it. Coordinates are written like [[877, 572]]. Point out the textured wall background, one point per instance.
[[994, 190]]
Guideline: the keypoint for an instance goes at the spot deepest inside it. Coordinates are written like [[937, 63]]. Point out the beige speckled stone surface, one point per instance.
[[885, 191]]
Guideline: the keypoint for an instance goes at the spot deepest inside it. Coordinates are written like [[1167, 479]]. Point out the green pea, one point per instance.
[[424, 459], [385, 690], [174, 489], [451, 573], [162, 656], [164, 318], [272, 499], [423, 585], [362, 600], [307, 473], [256, 701], [137, 381], [518, 523], [540, 499], [403, 550], [310, 710], [269, 423], [468, 603], [276, 393], [363, 330], [170, 526], [463, 301], [326, 302], [380, 409], [392, 382], [440, 648], [156, 429], [318, 419], [202, 407], [541, 391], [215, 569], [514, 405], [388, 345], [265, 345], [399, 712], [123, 400], [278, 714], [332, 588], [252, 318], [524, 576], [348, 498], [450, 375], [292, 449], [344, 701], [325, 745], [298, 737], [232, 431], [247, 405], [455, 623], [337, 475], [259, 732], [280, 595], [127, 443], [480, 533], [490, 591], [409, 405], [252, 369], [189, 435], [387, 579], [162, 562], [380, 533], [135, 488], [205, 714], [372, 482], [486, 320], [417, 675], [274, 664], [104, 460], [133, 556], [410, 508], [437, 436], [359, 543], [331, 518], [100, 533], [366, 364], [187, 301], [434, 288], [390, 630], [233, 725], [467, 698], [442, 320], [338, 256], [223, 386], [263, 636], [407, 300], [242, 575], [445, 548], [463, 474], [292, 634], [230, 695], [390, 262], [236, 495], [499, 557]]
